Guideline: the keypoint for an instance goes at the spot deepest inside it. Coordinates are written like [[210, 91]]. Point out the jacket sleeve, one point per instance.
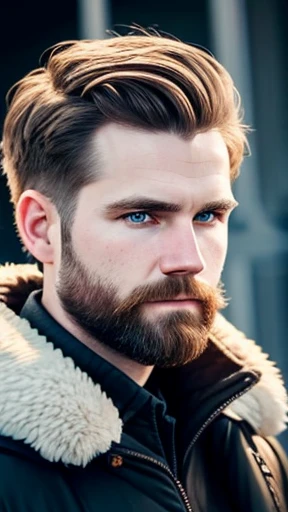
[[232, 468], [264, 462], [277, 463]]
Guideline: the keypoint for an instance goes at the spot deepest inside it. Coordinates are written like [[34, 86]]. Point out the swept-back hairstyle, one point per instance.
[[143, 80]]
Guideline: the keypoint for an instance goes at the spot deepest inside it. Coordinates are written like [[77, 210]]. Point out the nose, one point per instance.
[[181, 253]]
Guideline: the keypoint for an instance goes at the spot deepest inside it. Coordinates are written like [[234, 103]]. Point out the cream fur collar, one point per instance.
[[57, 409]]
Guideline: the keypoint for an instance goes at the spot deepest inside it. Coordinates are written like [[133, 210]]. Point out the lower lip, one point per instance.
[[175, 303]]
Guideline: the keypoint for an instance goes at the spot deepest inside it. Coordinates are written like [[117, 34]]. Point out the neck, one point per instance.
[[137, 372]]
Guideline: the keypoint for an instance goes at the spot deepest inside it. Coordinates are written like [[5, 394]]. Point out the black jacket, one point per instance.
[[78, 435]]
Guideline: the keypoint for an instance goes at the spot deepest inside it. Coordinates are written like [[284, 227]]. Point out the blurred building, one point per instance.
[[250, 38]]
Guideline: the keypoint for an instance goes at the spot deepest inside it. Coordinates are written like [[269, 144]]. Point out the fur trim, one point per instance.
[[47, 402], [265, 405], [17, 282]]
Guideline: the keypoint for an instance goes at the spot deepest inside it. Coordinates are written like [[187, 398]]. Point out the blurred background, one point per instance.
[[250, 37]]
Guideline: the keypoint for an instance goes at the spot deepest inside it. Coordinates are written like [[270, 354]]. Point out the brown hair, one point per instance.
[[147, 81]]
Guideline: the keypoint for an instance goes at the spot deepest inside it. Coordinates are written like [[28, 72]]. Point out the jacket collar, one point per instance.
[[57, 408]]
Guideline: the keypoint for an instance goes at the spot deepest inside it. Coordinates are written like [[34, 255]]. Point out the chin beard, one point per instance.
[[172, 339]]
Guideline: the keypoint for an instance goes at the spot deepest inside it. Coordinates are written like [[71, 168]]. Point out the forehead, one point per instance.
[[134, 160]]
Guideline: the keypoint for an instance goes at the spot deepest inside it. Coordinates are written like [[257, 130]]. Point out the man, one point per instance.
[[122, 386]]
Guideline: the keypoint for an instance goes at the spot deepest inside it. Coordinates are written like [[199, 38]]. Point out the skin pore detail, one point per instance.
[[147, 249]]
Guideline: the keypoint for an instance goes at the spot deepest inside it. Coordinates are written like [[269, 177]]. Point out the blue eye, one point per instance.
[[205, 217], [138, 217]]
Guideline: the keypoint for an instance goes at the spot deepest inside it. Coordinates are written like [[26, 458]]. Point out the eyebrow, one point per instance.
[[148, 204], [221, 204]]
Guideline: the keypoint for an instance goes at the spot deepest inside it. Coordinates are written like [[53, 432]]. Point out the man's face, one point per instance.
[[148, 244]]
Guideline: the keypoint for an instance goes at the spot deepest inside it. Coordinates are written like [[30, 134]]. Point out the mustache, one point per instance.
[[170, 288]]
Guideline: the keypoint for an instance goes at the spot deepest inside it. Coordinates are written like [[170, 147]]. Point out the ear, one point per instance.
[[35, 217]]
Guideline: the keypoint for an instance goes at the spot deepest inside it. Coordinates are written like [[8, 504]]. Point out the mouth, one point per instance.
[[177, 302], [179, 298]]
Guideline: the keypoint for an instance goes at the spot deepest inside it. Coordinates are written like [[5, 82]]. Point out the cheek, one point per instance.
[[123, 261], [213, 246]]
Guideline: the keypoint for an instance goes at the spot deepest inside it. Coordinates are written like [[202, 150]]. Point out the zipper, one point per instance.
[[163, 466], [181, 490], [269, 478], [216, 413]]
